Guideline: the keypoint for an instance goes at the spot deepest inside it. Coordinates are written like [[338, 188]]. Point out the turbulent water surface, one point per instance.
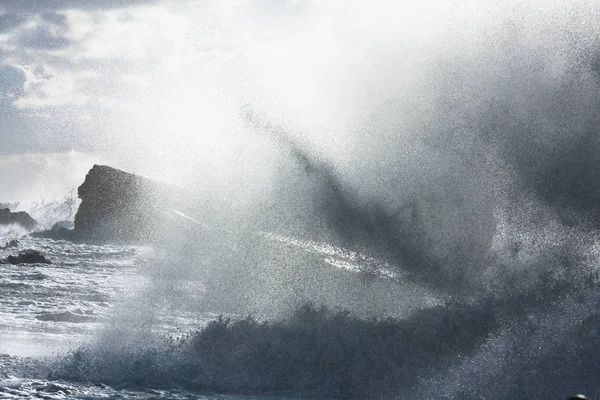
[[122, 313], [48, 309], [102, 321]]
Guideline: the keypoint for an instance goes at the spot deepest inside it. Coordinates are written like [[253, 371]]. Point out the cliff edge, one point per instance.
[[120, 206]]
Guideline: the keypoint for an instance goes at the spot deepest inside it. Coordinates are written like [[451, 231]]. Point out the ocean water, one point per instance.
[[112, 321], [112, 302]]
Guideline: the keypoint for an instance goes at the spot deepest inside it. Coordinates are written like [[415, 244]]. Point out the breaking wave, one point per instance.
[[538, 343]]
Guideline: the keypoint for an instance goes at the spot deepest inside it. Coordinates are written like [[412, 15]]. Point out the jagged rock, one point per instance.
[[11, 244], [62, 230], [28, 257], [20, 218], [120, 206]]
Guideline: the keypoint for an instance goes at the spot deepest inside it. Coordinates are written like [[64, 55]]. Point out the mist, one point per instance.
[[431, 135]]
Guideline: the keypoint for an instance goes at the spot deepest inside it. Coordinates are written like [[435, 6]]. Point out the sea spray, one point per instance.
[[448, 351], [457, 142], [314, 352]]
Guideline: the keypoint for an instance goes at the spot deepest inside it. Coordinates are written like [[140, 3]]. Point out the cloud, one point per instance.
[[42, 37], [10, 21], [77, 58], [12, 83], [36, 6]]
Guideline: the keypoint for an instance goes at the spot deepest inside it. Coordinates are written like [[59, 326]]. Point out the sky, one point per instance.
[[128, 83], [148, 86], [162, 88]]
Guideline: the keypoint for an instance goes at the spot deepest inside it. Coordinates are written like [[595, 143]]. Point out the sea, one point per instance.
[[385, 199], [305, 319]]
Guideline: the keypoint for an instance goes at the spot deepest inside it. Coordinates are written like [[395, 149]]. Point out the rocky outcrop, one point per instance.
[[62, 230], [120, 206], [12, 244], [59, 233], [27, 257], [20, 218]]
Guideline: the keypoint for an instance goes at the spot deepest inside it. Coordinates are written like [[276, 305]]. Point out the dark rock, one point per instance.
[[62, 230], [20, 218], [11, 244], [57, 233], [120, 206], [28, 257]]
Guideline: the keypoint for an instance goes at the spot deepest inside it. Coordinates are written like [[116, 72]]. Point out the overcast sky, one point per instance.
[[138, 84], [151, 85], [163, 88]]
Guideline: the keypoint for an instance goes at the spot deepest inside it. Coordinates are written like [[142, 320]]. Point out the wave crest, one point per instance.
[[315, 352]]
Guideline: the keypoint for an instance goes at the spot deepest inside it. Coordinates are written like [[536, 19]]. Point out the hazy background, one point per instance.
[[433, 126], [162, 88]]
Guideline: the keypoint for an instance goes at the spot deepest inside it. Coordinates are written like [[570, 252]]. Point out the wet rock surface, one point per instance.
[[27, 257], [20, 218], [10, 245], [124, 207]]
